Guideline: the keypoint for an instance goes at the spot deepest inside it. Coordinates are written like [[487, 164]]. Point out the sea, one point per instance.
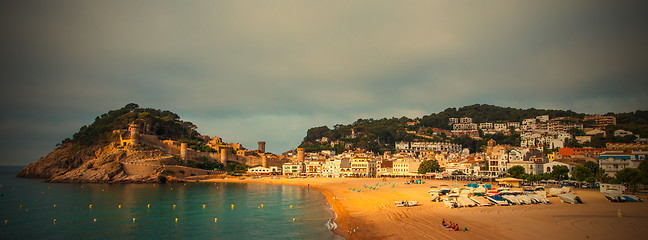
[[33, 209]]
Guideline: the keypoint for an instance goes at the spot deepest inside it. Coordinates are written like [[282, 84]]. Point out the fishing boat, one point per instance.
[[498, 200], [570, 198], [406, 203]]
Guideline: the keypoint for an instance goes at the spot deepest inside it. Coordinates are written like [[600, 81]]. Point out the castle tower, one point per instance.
[[261, 146], [264, 160], [223, 155], [300, 154], [134, 133], [183, 151], [489, 149]]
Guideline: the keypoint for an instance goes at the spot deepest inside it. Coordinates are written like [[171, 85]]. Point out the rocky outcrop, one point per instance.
[[97, 164]]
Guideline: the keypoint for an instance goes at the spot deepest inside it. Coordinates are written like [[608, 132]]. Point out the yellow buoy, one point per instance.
[[102, 190], [176, 219], [173, 206], [42, 192], [133, 219], [94, 220], [54, 220], [171, 188], [290, 206], [20, 206], [215, 220], [261, 205], [54, 205], [119, 206], [148, 205], [8, 220], [232, 206], [203, 205], [90, 206], [293, 219]]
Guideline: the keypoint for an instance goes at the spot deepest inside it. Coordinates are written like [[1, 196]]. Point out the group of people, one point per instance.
[[452, 226]]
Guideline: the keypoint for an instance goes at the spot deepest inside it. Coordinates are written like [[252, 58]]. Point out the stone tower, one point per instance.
[[262, 146], [223, 155], [489, 149], [183, 151], [300, 154], [264, 160], [134, 134]]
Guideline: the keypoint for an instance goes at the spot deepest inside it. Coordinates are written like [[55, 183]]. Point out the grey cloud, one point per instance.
[[250, 70]]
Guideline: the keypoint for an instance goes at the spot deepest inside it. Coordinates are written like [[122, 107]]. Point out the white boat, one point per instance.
[[539, 198], [512, 199], [435, 198], [553, 192], [525, 199], [406, 203], [481, 201], [498, 200], [570, 198], [449, 203], [464, 201]]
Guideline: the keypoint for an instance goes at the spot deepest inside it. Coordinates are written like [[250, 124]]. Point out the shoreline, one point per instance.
[[372, 214], [341, 217]]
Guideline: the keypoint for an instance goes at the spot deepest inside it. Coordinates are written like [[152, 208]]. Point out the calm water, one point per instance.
[[75, 219]]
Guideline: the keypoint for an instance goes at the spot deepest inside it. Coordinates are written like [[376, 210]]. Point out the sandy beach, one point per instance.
[[372, 214]]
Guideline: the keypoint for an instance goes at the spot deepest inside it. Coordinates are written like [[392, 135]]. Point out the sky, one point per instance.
[[251, 71]]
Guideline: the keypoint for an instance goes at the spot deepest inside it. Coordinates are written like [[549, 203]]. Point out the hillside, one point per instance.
[[380, 135], [94, 154]]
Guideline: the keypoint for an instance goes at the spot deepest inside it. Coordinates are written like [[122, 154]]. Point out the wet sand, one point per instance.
[[372, 214]]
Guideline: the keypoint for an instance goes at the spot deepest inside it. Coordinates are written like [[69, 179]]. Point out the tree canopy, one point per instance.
[[428, 166]]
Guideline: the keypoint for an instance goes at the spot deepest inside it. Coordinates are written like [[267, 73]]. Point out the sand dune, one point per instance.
[[372, 214]]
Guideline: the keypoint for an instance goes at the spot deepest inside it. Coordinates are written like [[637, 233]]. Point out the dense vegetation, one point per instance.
[[380, 135], [164, 124]]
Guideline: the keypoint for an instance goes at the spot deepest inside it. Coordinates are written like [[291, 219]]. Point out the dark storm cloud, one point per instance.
[[249, 71]]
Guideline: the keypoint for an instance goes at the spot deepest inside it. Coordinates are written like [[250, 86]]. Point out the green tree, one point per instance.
[[629, 176], [580, 173], [516, 171], [559, 173], [428, 166], [643, 170]]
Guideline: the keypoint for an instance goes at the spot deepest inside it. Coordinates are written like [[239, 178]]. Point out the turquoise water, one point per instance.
[[75, 219]]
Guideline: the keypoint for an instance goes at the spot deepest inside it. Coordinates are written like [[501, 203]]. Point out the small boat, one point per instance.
[[450, 204], [613, 197], [481, 201], [406, 203], [632, 198], [498, 200], [444, 191], [570, 198], [512, 199], [464, 201], [435, 198]]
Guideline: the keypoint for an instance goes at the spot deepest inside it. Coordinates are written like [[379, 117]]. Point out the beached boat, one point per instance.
[[481, 201], [525, 199], [538, 198], [498, 200], [632, 198], [553, 192], [480, 191], [406, 203], [450, 203], [570, 198], [613, 197], [464, 201], [512, 199], [435, 198]]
